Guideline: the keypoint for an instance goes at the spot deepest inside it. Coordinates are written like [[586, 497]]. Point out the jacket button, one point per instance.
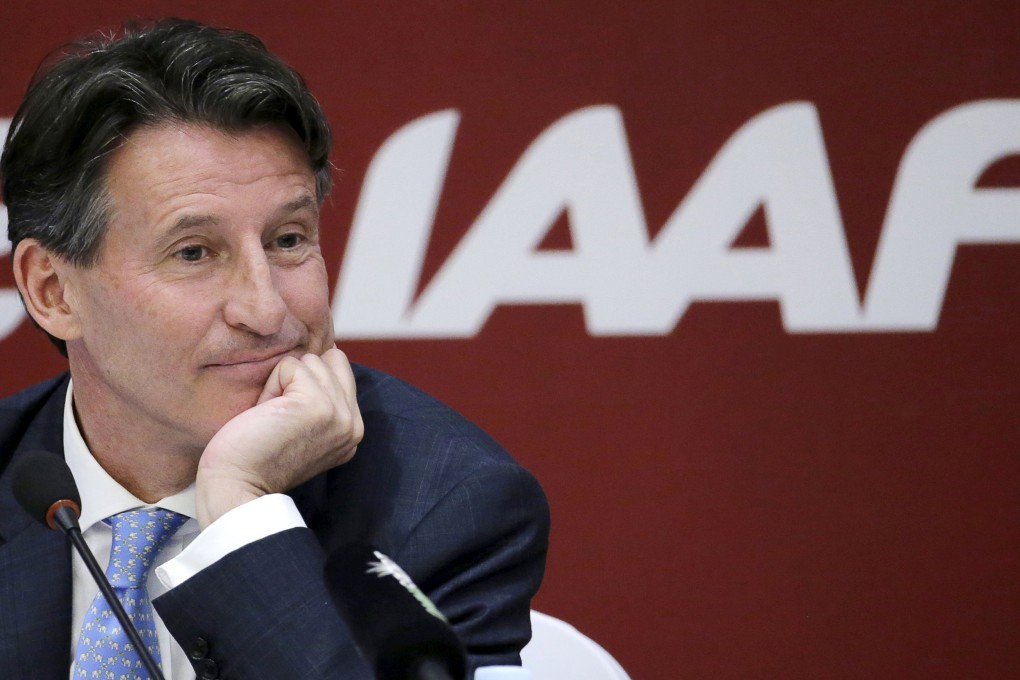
[[199, 649], [206, 669]]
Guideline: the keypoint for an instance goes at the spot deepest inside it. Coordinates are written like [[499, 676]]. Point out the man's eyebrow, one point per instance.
[[305, 202], [185, 222]]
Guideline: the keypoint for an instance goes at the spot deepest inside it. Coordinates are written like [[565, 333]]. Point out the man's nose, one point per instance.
[[253, 301]]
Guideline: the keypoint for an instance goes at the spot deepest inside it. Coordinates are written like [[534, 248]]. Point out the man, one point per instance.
[[163, 192]]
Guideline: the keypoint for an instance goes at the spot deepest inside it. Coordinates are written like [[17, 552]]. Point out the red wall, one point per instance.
[[795, 476]]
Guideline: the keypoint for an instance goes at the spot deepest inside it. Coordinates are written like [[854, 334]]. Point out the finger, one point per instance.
[[344, 374], [320, 372], [341, 368], [336, 379], [281, 376]]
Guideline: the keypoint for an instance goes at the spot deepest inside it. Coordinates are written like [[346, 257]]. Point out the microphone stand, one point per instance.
[[65, 517]]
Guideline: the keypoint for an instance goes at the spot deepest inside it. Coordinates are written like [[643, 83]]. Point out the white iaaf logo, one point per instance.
[[628, 284]]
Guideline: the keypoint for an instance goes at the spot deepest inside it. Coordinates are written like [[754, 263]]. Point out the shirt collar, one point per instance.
[[101, 495]]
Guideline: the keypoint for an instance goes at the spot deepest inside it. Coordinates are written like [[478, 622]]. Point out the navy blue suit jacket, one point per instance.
[[427, 487]]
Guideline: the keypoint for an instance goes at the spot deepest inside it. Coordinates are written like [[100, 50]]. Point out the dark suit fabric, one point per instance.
[[426, 487]]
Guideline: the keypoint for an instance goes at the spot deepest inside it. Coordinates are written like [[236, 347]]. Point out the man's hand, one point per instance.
[[305, 422]]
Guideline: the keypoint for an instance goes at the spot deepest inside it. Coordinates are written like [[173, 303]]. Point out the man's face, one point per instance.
[[210, 272]]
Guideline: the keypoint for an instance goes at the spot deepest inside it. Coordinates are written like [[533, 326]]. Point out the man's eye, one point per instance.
[[288, 241], [191, 253]]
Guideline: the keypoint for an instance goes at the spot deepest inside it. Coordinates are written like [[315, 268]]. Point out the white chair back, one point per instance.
[[558, 651]]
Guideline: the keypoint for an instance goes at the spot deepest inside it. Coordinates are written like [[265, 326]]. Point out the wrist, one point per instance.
[[215, 496]]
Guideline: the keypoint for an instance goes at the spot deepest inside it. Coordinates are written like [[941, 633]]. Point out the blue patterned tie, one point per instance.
[[104, 651]]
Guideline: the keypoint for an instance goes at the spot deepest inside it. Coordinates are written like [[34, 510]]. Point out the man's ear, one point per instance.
[[41, 276]]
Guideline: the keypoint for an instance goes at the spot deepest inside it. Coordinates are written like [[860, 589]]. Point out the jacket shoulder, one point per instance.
[[19, 410], [388, 403]]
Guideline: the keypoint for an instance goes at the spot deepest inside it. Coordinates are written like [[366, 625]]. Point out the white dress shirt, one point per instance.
[[184, 555]]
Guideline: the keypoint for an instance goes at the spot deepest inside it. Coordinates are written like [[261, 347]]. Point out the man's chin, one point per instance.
[[227, 405]]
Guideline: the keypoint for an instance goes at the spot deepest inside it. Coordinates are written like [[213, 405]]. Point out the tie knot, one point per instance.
[[138, 536]]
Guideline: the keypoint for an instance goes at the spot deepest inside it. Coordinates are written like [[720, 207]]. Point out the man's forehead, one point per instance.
[[175, 171]]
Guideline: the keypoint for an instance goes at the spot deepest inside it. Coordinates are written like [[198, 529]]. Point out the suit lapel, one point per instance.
[[35, 567]]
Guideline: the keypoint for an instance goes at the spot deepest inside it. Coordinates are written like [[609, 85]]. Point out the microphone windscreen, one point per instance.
[[40, 479], [393, 623]]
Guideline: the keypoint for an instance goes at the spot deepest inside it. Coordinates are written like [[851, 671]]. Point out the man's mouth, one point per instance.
[[254, 359]]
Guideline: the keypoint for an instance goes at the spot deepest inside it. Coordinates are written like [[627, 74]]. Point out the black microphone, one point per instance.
[[45, 488], [398, 630]]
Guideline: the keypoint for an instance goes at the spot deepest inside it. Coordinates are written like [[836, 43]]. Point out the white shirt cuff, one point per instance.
[[235, 529]]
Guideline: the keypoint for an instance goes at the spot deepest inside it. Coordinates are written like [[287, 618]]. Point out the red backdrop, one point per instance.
[[754, 486]]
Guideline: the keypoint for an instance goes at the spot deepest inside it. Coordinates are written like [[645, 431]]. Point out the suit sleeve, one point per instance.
[[479, 554], [263, 611]]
